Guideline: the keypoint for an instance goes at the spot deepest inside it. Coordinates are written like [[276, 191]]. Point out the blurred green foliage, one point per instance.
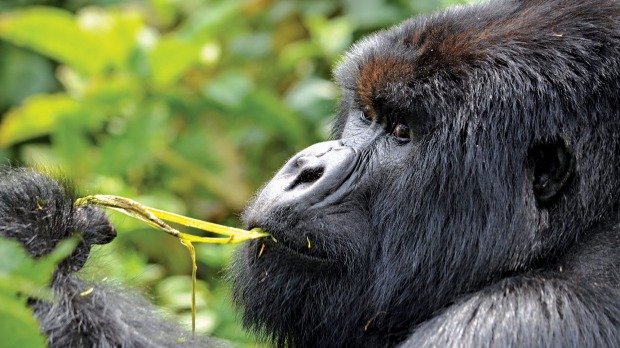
[[184, 105], [21, 275]]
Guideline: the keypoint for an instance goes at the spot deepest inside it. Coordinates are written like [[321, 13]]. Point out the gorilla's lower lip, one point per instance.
[[283, 249]]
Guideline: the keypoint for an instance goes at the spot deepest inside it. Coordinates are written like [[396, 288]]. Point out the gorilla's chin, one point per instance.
[[287, 287], [282, 290]]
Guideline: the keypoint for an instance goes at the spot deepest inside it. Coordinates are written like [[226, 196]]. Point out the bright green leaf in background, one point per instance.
[[38, 116], [22, 277], [42, 28], [170, 58], [30, 74]]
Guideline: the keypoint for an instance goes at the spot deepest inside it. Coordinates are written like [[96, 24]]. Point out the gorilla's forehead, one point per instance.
[[529, 39]]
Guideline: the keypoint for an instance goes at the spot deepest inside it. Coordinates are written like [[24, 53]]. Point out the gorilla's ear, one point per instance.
[[553, 166]]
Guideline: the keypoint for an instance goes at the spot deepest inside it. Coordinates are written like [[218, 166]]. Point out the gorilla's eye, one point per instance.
[[402, 131], [366, 115]]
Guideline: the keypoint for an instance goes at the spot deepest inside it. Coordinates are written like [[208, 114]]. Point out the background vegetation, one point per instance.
[[185, 105]]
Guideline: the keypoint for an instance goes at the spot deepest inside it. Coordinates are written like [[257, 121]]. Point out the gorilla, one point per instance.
[[470, 197]]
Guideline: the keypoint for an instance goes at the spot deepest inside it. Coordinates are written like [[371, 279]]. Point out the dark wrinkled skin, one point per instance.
[[469, 197]]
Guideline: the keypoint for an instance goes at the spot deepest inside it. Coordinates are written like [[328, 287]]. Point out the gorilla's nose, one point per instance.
[[310, 173], [309, 177], [317, 171]]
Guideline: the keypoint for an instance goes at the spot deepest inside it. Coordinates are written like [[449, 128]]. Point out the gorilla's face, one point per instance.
[[370, 227], [456, 162]]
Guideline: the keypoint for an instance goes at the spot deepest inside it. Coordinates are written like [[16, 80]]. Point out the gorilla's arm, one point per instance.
[[572, 306], [86, 314], [37, 210]]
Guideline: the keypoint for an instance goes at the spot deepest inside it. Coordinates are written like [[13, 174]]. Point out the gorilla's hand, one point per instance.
[[38, 211]]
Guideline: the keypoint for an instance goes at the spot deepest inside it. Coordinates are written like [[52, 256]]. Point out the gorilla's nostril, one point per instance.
[[308, 175]]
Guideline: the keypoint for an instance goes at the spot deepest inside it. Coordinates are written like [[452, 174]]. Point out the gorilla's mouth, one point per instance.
[[286, 250], [301, 254]]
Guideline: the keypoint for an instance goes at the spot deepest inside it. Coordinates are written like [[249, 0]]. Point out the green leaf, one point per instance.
[[206, 22], [90, 43], [22, 277], [37, 116], [23, 73], [114, 31], [333, 36], [18, 328], [171, 58], [228, 89], [20, 273], [136, 142], [54, 33]]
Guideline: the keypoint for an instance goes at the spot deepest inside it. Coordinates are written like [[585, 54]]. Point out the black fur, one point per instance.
[[37, 210], [492, 222]]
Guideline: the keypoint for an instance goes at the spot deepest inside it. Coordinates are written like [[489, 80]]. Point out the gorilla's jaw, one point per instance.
[[293, 290], [292, 298]]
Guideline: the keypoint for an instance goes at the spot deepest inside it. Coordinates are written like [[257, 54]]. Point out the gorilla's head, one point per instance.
[[471, 145]]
